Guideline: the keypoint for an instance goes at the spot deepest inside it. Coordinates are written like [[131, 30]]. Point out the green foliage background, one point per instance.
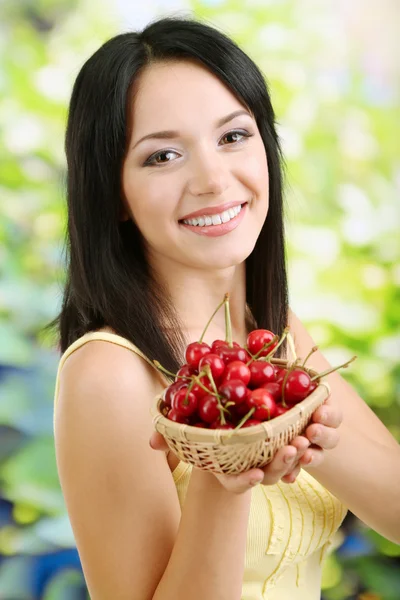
[[338, 119]]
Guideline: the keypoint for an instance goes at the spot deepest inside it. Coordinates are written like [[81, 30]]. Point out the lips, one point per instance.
[[211, 210]]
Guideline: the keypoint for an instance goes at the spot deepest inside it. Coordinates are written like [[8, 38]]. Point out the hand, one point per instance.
[[278, 468], [323, 433]]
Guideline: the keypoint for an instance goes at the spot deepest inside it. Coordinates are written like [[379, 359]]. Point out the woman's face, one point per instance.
[[195, 176]]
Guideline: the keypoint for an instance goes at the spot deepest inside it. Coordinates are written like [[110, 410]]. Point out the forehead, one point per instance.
[[179, 94]]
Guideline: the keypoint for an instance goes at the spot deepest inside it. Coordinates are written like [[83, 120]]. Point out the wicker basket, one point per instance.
[[233, 452]]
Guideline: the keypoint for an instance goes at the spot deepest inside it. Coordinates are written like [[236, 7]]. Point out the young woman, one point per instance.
[[174, 198]]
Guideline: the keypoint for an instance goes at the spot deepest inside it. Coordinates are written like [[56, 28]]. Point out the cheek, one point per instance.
[[255, 173], [152, 203], [142, 195]]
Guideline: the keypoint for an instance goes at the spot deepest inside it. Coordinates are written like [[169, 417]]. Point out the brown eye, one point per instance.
[[236, 136], [160, 158]]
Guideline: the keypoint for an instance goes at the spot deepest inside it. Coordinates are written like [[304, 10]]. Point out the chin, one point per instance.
[[228, 258]]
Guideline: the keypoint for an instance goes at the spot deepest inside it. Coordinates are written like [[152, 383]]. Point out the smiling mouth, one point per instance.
[[217, 219]]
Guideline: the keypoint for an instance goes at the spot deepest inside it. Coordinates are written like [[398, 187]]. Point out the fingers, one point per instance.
[[329, 414], [291, 477], [283, 462], [157, 442], [312, 457], [238, 484], [325, 437], [324, 430], [301, 443]]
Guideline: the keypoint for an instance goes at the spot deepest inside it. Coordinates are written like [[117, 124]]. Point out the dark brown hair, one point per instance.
[[109, 282]]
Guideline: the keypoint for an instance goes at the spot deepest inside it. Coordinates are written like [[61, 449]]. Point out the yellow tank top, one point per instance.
[[291, 526]]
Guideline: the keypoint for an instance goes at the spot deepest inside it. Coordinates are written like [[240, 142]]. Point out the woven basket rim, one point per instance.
[[266, 430]]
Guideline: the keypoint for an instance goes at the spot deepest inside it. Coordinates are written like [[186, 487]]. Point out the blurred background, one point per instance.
[[334, 71]]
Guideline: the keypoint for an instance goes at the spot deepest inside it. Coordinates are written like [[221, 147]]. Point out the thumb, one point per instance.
[[157, 442]]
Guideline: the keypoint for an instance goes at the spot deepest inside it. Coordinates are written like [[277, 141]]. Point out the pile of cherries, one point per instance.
[[227, 386]]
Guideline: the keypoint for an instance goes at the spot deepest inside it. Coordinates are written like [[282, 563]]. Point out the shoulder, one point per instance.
[[301, 337], [101, 359], [103, 379]]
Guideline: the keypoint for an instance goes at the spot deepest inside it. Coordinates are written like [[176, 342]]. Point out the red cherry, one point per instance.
[[198, 391], [313, 387], [229, 354], [257, 339], [274, 388], [281, 410], [208, 409], [237, 370], [239, 410], [170, 391], [185, 371], [222, 344], [176, 417], [280, 378], [280, 372], [234, 391], [218, 344], [264, 404], [216, 364], [217, 425], [297, 386], [261, 372], [184, 402], [195, 351], [201, 424], [251, 422]]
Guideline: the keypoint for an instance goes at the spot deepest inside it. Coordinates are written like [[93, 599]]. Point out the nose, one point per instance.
[[209, 176]]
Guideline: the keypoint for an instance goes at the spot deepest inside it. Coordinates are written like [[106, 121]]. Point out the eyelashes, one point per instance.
[[153, 159]]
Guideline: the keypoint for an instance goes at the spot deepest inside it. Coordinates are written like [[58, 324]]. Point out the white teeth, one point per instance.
[[207, 220], [216, 220], [225, 217]]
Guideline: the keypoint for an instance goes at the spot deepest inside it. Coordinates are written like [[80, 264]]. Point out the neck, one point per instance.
[[196, 294]]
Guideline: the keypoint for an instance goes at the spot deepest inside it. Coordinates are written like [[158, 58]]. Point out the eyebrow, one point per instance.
[[171, 134]]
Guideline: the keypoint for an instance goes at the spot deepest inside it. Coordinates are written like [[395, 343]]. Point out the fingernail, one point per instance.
[[288, 459], [150, 444], [322, 416], [255, 481], [314, 438]]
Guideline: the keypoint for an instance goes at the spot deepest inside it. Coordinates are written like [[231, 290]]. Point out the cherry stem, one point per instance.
[[313, 349], [208, 372], [228, 404], [203, 387], [245, 418], [206, 389], [283, 337], [291, 368], [228, 323], [343, 366], [191, 384], [164, 370], [210, 319], [266, 345]]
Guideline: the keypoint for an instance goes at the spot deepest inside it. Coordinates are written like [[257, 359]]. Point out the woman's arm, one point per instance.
[[362, 468], [132, 539]]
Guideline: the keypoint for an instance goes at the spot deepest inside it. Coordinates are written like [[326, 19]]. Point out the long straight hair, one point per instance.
[[109, 282]]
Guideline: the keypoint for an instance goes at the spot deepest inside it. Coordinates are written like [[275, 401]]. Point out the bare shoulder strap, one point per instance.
[[105, 337], [291, 349]]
